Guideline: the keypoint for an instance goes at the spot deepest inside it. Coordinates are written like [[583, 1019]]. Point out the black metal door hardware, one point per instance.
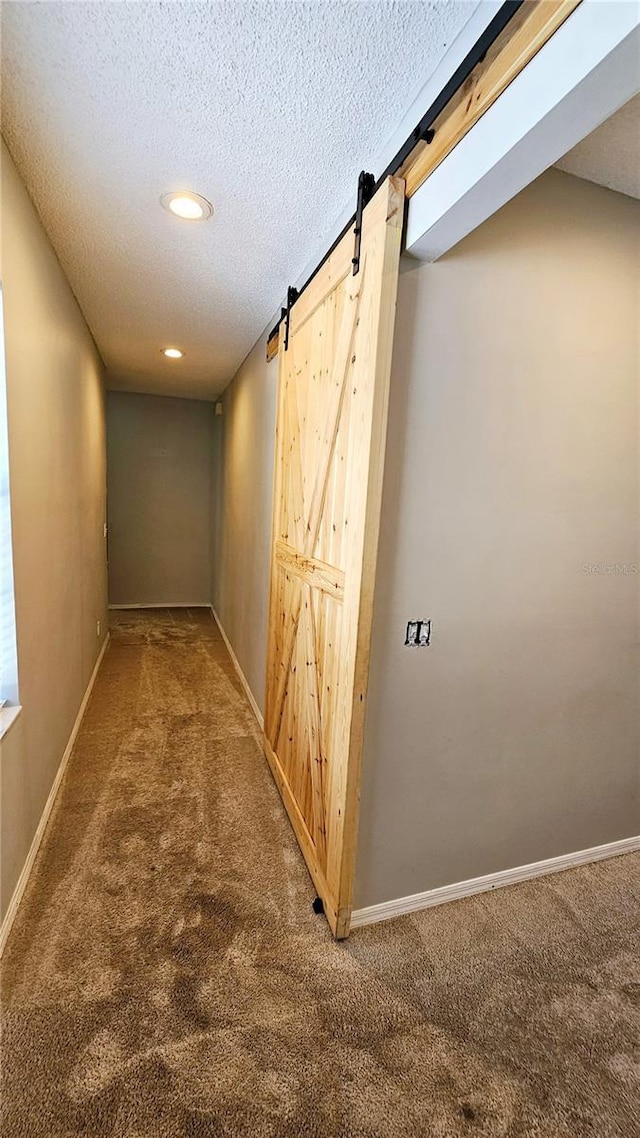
[[424, 132], [366, 190], [292, 296]]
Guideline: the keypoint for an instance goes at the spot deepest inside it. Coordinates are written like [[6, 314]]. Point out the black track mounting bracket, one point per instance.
[[292, 296], [366, 189]]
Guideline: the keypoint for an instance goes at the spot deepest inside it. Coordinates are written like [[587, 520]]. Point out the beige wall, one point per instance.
[[512, 464], [159, 456], [242, 506], [57, 467]]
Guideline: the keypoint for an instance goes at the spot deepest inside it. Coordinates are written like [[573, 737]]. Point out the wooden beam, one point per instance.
[[531, 27], [556, 101], [529, 30], [272, 345]]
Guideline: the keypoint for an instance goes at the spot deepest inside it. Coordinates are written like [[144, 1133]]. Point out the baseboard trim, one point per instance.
[[164, 605], [23, 879], [417, 901], [241, 676]]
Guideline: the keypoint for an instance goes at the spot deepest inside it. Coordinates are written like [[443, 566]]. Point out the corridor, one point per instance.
[[166, 976]]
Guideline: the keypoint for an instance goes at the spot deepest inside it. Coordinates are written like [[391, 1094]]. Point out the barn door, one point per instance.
[[333, 384]]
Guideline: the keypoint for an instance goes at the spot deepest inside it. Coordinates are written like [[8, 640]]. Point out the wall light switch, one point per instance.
[[418, 634], [97, 628]]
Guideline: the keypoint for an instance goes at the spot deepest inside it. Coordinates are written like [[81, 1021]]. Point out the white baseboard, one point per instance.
[[418, 901], [23, 879], [165, 605], [241, 676]]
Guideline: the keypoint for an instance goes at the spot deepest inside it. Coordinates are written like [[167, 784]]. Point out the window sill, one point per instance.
[[8, 716]]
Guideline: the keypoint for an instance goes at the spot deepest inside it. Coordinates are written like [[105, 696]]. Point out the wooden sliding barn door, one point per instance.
[[333, 385]]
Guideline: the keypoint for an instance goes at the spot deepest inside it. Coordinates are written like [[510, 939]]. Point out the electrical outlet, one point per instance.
[[97, 628], [418, 634]]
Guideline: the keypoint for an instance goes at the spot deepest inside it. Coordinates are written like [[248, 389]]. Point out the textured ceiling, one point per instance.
[[610, 155], [269, 109]]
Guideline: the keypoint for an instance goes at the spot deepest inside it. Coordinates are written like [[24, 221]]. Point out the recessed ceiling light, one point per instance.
[[173, 353], [187, 205]]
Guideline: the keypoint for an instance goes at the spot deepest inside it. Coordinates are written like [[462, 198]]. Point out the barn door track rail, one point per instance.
[[515, 34]]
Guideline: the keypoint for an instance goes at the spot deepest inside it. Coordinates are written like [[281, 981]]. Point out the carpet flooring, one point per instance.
[[167, 978]]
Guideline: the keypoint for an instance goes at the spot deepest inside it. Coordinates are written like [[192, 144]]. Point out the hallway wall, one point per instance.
[[55, 403], [241, 517], [512, 463], [159, 460], [511, 481]]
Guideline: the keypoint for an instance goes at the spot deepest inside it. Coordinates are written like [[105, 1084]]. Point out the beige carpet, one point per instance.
[[166, 975]]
